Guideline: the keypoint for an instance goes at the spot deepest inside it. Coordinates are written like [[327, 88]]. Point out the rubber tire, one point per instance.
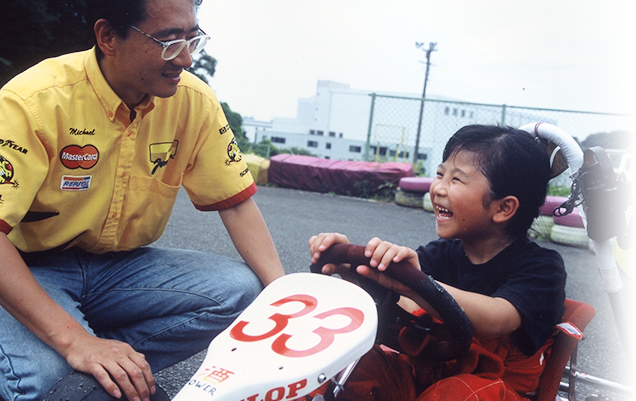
[[551, 203], [570, 236], [573, 219], [541, 228], [410, 199], [426, 203], [78, 386], [415, 184]]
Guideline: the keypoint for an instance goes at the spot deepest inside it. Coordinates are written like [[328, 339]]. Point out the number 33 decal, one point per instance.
[[281, 320]]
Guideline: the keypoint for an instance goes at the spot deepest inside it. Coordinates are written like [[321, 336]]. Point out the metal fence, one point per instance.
[[393, 125]]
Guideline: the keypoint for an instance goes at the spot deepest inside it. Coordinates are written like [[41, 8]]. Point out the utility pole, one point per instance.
[[431, 48]]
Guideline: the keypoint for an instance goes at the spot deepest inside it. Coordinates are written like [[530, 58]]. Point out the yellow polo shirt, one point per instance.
[[76, 171]]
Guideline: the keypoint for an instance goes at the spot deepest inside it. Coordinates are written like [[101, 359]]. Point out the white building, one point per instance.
[[337, 123]]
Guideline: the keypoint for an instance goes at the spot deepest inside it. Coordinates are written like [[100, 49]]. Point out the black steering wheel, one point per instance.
[[453, 337]]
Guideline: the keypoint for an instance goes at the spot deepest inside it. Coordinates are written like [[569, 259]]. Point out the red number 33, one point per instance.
[[279, 345]]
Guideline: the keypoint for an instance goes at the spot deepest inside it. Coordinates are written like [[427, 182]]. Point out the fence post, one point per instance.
[[368, 144]]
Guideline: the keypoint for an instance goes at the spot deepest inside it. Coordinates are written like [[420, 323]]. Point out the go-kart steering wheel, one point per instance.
[[456, 323]]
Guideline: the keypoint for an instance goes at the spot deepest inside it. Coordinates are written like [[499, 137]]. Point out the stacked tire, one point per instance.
[[412, 191], [569, 230], [542, 225]]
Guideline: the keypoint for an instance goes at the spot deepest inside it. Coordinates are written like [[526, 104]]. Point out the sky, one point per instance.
[[557, 54]]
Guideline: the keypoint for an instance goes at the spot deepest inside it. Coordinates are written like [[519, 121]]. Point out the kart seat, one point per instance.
[[576, 317]]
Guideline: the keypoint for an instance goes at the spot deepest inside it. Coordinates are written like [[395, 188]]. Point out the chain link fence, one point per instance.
[[393, 133]]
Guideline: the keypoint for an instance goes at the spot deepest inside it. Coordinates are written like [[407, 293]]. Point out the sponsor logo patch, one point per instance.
[[225, 129], [7, 173], [233, 153], [8, 143], [75, 183], [75, 156], [161, 153]]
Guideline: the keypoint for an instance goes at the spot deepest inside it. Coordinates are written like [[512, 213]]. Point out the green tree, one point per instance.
[[203, 66], [235, 120], [33, 30]]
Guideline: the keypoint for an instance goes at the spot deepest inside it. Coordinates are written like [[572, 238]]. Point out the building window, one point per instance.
[[422, 156], [455, 112], [312, 144], [277, 139], [332, 134], [463, 113], [312, 132], [327, 145], [320, 133], [340, 135], [446, 110], [382, 151], [355, 149]]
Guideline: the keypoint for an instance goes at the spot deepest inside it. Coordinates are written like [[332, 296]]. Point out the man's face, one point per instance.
[[138, 66]]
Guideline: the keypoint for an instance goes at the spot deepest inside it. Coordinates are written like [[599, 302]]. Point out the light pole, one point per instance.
[[431, 48]]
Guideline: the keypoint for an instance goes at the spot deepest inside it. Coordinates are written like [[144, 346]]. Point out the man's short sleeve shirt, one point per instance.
[[78, 168]]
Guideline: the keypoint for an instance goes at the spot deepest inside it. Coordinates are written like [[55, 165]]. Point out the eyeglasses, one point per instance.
[[173, 48]]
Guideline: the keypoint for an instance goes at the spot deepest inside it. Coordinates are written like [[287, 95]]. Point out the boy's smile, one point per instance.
[[461, 196]]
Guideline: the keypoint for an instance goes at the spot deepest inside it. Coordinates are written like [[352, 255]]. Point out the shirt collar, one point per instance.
[[108, 98]]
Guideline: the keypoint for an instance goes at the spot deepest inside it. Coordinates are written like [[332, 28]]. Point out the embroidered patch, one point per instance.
[[233, 152], [7, 173], [225, 129], [161, 153], [75, 156], [75, 183]]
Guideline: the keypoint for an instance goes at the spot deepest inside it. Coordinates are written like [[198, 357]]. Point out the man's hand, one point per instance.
[[116, 365]]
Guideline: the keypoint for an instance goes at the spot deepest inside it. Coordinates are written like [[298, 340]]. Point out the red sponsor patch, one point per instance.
[[75, 156]]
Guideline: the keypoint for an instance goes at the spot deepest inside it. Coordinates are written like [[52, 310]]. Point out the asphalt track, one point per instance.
[[293, 216]]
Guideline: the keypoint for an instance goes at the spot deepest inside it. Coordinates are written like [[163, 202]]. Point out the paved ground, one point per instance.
[[293, 216]]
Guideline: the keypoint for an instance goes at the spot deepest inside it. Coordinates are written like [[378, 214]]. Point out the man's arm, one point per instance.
[[26, 300], [250, 235]]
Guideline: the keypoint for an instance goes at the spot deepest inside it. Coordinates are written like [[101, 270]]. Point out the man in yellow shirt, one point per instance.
[[94, 147]]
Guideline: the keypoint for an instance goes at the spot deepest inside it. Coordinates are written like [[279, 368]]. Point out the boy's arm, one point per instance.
[[23, 297], [252, 239], [490, 317]]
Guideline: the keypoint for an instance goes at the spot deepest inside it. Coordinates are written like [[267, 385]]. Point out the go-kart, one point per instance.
[[306, 331]]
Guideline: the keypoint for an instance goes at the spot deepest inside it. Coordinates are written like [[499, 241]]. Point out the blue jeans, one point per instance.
[[167, 304]]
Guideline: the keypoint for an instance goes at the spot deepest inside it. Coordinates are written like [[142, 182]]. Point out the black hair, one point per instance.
[[515, 164], [120, 14]]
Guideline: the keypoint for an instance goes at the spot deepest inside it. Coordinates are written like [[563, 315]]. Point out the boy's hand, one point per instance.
[[321, 242], [383, 253]]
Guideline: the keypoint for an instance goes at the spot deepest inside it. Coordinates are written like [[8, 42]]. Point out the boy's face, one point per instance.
[[140, 70], [460, 194]]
